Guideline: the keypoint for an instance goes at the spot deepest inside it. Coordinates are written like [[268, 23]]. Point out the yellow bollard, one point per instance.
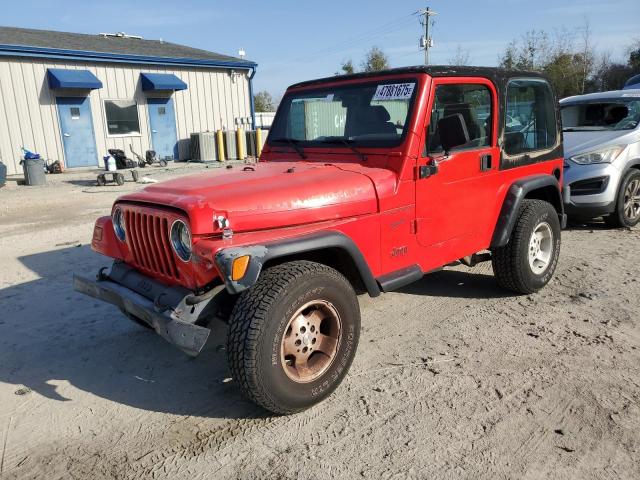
[[220, 143], [240, 142], [258, 142]]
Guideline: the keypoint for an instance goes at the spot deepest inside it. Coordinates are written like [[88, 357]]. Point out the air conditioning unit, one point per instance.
[[230, 144], [251, 142], [202, 146]]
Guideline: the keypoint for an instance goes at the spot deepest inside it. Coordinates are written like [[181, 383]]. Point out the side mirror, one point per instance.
[[453, 131]]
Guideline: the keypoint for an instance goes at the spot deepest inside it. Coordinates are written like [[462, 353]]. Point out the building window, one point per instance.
[[122, 117]]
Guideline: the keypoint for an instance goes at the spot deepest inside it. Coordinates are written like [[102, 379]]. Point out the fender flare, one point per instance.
[[512, 202], [635, 163], [261, 254]]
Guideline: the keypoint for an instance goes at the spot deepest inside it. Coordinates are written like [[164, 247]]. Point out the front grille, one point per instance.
[[148, 239]]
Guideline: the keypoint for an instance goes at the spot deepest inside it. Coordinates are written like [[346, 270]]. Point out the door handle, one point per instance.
[[485, 162], [66, 135]]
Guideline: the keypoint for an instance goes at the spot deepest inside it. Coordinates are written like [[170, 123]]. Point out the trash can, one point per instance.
[[3, 174], [34, 171]]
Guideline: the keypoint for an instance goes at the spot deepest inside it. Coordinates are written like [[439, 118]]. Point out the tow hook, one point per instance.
[[101, 276]]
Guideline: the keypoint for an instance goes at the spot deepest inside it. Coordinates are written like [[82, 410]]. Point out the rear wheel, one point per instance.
[[101, 181], [627, 213], [119, 178], [163, 163], [293, 336], [528, 261]]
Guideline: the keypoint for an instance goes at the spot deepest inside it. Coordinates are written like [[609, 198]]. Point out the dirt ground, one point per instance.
[[454, 378]]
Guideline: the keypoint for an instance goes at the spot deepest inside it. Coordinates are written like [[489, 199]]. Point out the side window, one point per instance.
[[530, 122], [473, 102]]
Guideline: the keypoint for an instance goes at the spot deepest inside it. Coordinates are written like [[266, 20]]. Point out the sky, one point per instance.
[[294, 40]]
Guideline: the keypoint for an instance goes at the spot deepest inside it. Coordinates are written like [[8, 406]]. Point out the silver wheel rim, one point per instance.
[[540, 248], [632, 200]]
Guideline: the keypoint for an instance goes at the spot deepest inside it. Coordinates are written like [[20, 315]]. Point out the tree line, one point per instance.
[[570, 60]]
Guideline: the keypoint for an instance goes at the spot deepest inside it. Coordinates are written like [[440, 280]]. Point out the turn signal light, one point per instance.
[[239, 267]]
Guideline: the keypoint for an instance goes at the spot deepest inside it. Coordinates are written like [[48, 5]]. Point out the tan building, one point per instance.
[[71, 96]]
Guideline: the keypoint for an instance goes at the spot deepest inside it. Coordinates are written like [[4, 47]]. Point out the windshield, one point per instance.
[[372, 114], [606, 114]]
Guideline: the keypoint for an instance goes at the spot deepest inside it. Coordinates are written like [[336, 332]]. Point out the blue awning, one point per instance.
[[61, 78], [161, 81]]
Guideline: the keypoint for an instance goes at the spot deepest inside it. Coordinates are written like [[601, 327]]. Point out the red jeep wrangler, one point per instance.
[[367, 182]]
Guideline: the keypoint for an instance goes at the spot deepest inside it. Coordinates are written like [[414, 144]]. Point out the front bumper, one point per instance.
[[590, 202], [168, 310]]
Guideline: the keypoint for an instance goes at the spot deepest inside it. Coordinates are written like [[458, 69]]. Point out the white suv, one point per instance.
[[602, 156]]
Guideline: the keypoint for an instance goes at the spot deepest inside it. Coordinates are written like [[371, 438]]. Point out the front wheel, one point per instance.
[[293, 335], [627, 213], [528, 261]]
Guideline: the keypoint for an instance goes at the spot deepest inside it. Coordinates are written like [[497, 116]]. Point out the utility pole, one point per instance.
[[426, 42]]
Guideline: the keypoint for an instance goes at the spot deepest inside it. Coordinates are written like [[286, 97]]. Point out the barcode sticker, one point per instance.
[[394, 91]]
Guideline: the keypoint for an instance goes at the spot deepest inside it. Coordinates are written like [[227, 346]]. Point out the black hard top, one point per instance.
[[497, 75]]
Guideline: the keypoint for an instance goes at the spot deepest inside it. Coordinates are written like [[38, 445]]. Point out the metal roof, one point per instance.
[[492, 73], [46, 43]]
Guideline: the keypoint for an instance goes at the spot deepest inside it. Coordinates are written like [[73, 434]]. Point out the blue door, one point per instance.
[[76, 126], [162, 120]]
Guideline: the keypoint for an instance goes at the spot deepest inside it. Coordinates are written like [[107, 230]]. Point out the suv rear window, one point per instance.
[[530, 122]]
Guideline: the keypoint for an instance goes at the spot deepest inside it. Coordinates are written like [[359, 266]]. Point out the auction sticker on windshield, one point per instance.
[[394, 91]]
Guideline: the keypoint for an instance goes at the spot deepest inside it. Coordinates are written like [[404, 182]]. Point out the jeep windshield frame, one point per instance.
[[367, 114]]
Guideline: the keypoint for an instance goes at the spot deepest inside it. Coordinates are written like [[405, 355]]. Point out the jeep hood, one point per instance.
[[268, 195]]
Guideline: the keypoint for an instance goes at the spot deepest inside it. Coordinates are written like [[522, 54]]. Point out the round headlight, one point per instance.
[[119, 225], [181, 240]]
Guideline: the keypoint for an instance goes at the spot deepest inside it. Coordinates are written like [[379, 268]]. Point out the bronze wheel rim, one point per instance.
[[310, 341]]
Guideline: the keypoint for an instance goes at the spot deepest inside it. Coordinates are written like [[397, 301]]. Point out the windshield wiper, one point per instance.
[[294, 143], [347, 142]]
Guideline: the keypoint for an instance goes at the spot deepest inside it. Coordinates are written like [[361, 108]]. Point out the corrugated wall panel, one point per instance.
[[29, 116], [13, 141]]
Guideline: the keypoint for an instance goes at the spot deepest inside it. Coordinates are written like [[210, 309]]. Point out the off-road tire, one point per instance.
[[258, 323], [618, 219], [511, 262]]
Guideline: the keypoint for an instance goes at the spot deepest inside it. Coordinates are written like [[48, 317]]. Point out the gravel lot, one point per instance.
[[454, 378]]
